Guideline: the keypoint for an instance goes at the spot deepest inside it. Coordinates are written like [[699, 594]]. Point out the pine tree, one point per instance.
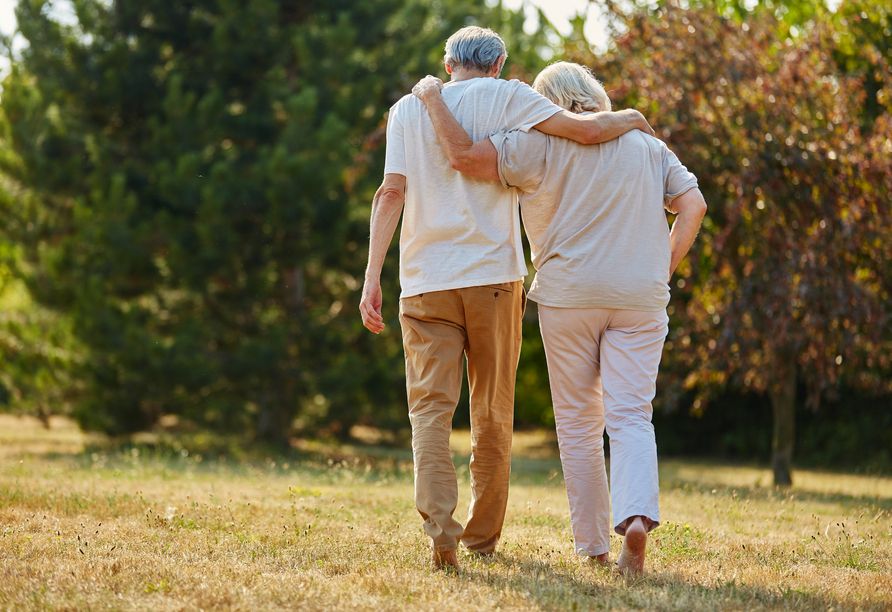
[[193, 181]]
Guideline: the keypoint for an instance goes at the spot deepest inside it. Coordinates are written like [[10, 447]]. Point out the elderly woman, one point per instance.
[[604, 255]]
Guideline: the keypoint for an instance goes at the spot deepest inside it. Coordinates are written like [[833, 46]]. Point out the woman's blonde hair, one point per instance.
[[572, 87]]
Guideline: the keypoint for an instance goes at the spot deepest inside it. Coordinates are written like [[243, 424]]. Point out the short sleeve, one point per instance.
[[676, 178], [395, 156], [522, 158], [527, 108]]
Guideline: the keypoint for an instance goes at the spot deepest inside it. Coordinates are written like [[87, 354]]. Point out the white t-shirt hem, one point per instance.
[[595, 304], [463, 284]]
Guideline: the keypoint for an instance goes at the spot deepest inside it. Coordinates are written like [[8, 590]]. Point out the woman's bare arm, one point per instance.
[[690, 208]]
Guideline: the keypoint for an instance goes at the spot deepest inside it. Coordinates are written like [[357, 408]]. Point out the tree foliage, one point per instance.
[[186, 191], [192, 186], [39, 356], [791, 279]]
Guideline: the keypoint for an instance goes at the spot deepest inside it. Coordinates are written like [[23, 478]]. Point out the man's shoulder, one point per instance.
[[509, 83], [481, 84], [512, 85], [407, 105], [515, 84]]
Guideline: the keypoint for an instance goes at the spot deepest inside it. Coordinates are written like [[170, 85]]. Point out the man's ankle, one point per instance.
[[445, 559]]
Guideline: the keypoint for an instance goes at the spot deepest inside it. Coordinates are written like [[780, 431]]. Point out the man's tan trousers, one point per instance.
[[439, 330]]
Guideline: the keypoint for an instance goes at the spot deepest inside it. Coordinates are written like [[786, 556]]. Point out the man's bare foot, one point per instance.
[[631, 559], [599, 559], [446, 559]]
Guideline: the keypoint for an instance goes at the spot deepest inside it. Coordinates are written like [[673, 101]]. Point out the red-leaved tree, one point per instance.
[[790, 280]]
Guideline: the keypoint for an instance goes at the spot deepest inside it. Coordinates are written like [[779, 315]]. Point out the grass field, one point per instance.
[[136, 529]]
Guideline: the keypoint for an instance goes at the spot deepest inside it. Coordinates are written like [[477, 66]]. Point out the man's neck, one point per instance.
[[466, 75]]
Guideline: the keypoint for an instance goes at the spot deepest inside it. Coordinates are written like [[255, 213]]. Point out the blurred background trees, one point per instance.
[[789, 283], [189, 183], [186, 188]]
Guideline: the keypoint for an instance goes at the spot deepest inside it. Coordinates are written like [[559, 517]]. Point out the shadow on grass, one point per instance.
[[536, 464], [670, 479], [552, 585]]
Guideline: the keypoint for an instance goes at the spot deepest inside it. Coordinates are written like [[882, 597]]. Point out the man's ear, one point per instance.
[[448, 69], [500, 64]]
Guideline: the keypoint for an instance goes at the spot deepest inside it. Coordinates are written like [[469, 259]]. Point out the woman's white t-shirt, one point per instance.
[[594, 216]]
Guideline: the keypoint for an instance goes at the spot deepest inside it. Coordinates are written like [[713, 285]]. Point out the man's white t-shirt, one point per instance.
[[594, 216], [459, 231]]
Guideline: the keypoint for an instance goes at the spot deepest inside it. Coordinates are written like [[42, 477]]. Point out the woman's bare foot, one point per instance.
[[599, 559], [446, 559], [631, 559]]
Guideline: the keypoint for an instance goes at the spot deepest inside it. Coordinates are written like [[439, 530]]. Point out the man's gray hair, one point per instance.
[[475, 49]]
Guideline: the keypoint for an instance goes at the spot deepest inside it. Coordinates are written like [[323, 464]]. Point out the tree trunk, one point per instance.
[[783, 405], [295, 289], [44, 415], [273, 424]]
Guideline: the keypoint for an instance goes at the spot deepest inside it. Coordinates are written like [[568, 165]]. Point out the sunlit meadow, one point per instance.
[[88, 526]]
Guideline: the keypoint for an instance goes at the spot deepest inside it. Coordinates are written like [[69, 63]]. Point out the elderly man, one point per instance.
[[461, 270], [604, 257]]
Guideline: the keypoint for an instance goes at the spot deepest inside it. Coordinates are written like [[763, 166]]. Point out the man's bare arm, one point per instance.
[[595, 127], [690, 208], [478, 159], [386, 210]]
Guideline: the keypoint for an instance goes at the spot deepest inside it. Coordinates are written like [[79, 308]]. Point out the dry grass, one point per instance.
[[136, 530], [28, 435]]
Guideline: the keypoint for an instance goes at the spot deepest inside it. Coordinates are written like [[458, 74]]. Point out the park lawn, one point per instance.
[[159, 530]]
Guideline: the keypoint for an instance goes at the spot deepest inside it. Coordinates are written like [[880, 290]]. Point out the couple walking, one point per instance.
[[592, 186]]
